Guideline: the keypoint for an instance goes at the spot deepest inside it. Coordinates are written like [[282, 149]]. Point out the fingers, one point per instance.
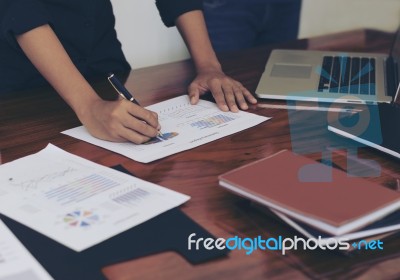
[[139, 124], [238, 92], [149, 118], [194, 94], [131, 135], [121, 121], [218, 93], [230, 95], [249, 97]]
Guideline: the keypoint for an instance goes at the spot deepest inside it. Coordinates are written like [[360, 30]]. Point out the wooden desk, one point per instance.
[[31, 120]]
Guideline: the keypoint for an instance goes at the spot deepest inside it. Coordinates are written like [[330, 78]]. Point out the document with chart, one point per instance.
[[183, 126], [75, 201], [16, 263]]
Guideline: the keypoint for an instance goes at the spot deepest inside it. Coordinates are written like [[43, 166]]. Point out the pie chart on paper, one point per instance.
[[81, 218]]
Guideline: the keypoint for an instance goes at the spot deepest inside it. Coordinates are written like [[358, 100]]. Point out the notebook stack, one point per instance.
[[315, 199]]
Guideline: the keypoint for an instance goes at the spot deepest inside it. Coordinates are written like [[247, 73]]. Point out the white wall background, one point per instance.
[[328, 16], [146, 41]]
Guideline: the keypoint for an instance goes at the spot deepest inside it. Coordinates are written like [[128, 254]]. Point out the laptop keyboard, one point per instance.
[[347, 75]]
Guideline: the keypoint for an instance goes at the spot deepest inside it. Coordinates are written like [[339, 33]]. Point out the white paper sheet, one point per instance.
[[75, 201], [184, 126], [16, 263]]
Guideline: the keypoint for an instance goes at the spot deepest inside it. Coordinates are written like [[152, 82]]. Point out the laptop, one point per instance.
[[326, 76], [374, 126]]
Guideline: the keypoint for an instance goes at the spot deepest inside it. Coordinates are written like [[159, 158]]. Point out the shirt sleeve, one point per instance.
[[170, 10], [20, 16]]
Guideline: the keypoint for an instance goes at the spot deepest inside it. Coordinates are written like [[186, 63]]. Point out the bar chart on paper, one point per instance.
[[212, 121], [81, 189], [131, 197]]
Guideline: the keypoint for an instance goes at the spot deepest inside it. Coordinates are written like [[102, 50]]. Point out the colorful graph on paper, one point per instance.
[[81, 218], [211, 121], [80, 189], [131, 198], [164, 137]]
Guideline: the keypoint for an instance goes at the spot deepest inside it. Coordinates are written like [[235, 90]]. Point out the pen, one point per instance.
[[122, 91]]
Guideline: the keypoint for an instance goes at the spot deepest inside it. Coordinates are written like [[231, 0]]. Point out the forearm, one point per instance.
[[193, 30], [114, 121], [46, 53]]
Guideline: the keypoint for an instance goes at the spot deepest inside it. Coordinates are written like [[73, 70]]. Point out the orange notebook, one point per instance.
[[311, 192]]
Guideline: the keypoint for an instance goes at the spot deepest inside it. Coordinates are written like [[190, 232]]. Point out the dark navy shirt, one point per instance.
[[84, 27]]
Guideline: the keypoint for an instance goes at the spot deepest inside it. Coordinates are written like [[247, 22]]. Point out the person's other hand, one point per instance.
[[120, 121], [227, 92]]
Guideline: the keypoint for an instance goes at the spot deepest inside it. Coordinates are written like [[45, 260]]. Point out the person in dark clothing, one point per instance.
[[240, 24], [66, 42]]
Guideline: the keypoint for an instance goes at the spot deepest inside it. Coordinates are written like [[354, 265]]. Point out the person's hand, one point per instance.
[[227, 92], [120, 121]]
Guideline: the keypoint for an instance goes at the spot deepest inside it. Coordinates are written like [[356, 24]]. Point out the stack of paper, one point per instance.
[[16, 263]]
